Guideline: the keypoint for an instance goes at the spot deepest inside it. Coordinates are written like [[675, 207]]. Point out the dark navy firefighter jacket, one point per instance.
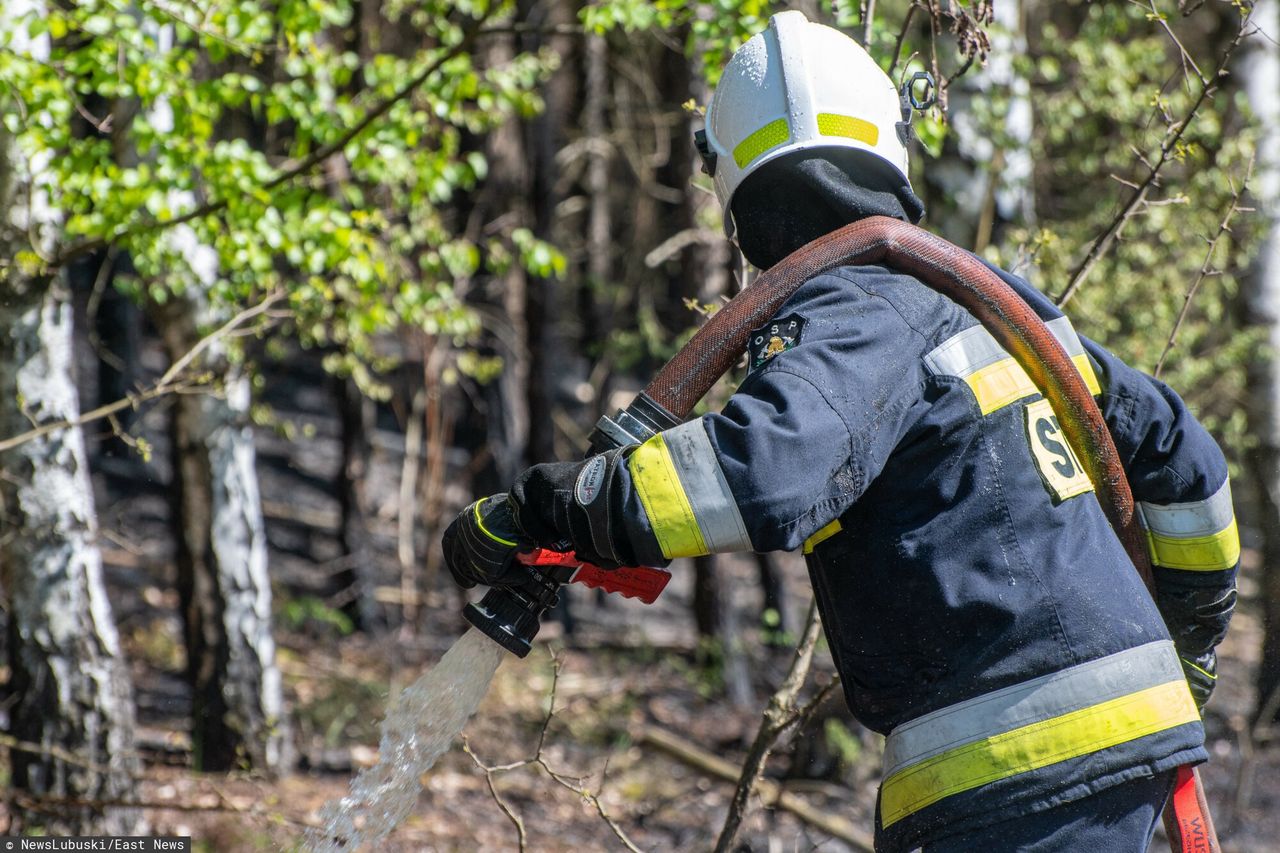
[[981, 612]]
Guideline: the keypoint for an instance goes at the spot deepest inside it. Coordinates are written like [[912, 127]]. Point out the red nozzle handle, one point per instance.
[[642, 582]]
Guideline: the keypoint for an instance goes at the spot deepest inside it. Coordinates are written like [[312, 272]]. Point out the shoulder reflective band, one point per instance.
[[995, 378], [685, 494], [771, 135], [1195, 536], [1082, 709]]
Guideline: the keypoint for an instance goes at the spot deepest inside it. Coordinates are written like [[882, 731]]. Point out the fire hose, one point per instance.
[[511, 616]]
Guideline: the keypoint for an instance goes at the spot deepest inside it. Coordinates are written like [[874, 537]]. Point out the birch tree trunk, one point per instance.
[[982, 182], [69, 689], [1258, 70], [216, 518], [223, 587]]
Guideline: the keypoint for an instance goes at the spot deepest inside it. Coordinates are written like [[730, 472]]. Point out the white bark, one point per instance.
[[1258, 71], [71, 690], [238, 705], [222, 559]]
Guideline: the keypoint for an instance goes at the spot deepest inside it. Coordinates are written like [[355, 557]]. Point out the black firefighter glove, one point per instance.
[[567, 505], [1197, 618], [481, 543]]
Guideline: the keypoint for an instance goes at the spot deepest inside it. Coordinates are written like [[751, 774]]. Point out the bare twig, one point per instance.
[[1206, 268], [522, 839], [1156, 15], [902, 37], [565, 781], [63, 755], [678, 242], [169, 383], [780, 714], [1104, 241]]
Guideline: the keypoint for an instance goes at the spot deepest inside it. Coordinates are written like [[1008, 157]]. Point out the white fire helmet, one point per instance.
[[798, 86]]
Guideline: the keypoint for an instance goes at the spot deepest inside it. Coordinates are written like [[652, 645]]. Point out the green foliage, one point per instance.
[[311, 614], [843, 743], [207, 118], [1104, 101]]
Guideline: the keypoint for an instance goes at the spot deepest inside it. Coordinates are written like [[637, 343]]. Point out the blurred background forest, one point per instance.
[[284, 283]]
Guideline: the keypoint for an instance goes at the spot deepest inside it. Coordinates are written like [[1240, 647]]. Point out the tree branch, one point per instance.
[[1206, 268], [778, 716], [1104, 241], [539, 761], [771, 793], [169, 383], [522, 839]]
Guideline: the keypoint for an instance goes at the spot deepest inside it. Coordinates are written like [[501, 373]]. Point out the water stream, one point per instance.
[[421, 726]]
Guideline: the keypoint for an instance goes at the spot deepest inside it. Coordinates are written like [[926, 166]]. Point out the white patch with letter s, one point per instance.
[[1059, 468]]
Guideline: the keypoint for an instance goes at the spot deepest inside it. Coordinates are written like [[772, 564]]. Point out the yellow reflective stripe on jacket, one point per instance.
[[1037, 745], [1199, 554], [664, 500], [706, 488], [772, 134], [685, 494], [993, 375], [1055, 717], [823, 534], [1197, 536]]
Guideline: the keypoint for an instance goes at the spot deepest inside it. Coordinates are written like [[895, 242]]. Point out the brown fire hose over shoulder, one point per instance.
[[958, 275]]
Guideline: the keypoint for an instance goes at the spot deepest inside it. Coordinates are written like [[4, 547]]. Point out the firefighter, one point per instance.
[[980, 611]]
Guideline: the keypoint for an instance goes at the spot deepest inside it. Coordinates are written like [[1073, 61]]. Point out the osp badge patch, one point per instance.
[[772, 338]]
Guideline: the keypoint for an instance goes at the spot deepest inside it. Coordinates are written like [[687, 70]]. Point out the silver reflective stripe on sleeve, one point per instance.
[[967, 352], [1196, 536], [1193, 518], [1030, 702], [706, 488]]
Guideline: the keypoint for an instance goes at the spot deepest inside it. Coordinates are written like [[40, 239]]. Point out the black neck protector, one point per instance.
[[798, 198]]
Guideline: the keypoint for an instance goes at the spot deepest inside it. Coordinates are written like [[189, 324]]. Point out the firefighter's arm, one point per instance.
[[790, 452], [1179, 479]]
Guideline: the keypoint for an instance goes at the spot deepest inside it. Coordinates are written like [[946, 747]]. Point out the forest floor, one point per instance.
[[626, 668]]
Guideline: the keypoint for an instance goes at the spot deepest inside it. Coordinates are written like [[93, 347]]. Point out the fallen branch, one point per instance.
[[170, 383], [771, 793], [1103, 242], [780, 714], [52, 805]]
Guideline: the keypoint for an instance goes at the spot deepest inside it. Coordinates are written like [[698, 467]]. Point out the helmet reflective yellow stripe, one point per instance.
[[830, 124], [773, 133]]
